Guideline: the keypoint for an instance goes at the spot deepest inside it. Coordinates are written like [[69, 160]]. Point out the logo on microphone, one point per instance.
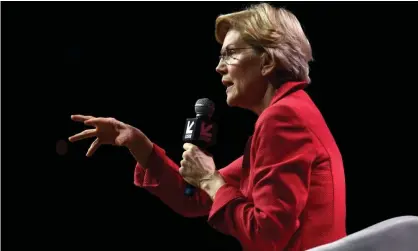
[[189, 129], [206, 132], [198, 129]]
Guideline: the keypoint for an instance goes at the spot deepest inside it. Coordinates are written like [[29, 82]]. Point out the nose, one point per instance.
[[221, 68]]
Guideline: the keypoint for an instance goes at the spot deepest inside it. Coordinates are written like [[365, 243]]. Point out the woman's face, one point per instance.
[[240, 67]]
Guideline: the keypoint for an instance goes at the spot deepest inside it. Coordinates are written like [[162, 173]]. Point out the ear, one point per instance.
[[268, 64]]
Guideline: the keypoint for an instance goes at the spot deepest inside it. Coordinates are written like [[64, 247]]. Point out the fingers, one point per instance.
[[186, 155], [88, 120], [83, 135], [189, 150], [95, 121], [181, 171], [188, 146], [185, 172], [184, 169], [183, 163], [93, 147], [80, 118]]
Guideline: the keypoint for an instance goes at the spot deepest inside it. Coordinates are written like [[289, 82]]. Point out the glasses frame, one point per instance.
[[226, 56]]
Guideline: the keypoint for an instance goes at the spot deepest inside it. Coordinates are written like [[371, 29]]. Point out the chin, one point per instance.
[[232, 101], [239, 102]]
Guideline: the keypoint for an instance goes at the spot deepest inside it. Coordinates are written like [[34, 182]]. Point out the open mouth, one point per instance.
[[227, 83]]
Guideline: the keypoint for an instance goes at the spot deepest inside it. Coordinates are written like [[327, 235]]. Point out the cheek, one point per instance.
[[246, 81]]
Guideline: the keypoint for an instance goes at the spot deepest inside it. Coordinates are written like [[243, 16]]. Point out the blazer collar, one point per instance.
[[287, 88]]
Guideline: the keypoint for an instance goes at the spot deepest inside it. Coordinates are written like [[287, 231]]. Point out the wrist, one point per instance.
[[212, 185], [140, 147]]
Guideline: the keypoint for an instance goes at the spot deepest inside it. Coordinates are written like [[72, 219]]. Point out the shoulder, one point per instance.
[[279, 114], [280, 126]]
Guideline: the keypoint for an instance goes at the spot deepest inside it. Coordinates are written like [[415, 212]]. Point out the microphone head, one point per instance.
[[204, 107]]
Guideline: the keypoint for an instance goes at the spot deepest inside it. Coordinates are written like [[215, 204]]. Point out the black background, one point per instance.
[[146, 64]]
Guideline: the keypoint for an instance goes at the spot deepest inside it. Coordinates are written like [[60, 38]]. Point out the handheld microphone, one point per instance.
[[200, 131]]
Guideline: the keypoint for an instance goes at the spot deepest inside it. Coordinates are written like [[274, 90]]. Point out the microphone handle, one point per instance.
[[190, 190]]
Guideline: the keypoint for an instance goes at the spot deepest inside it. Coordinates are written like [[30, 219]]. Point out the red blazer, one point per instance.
[[287, 191]]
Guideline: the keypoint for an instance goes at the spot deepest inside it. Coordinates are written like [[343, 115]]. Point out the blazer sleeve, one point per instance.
[[162, 179], [282, 153]]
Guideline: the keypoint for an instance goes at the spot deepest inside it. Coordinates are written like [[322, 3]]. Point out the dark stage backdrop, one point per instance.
[[146, 63]]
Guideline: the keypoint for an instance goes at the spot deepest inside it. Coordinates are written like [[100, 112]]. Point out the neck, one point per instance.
[[265, 101]]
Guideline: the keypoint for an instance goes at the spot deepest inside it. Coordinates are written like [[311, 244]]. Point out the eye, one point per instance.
[[230, 52]]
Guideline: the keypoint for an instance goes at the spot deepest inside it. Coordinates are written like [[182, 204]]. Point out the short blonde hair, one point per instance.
[[277, 31]]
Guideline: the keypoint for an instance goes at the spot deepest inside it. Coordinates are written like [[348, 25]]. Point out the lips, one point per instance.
[[227, 83]]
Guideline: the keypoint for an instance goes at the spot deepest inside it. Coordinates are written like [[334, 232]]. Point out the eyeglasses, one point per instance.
[[228, 55]]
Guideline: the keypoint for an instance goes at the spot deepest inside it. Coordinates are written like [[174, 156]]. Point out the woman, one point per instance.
[[287, 191]]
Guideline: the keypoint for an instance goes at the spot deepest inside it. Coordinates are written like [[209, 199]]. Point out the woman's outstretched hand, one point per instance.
[[107, 131]]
